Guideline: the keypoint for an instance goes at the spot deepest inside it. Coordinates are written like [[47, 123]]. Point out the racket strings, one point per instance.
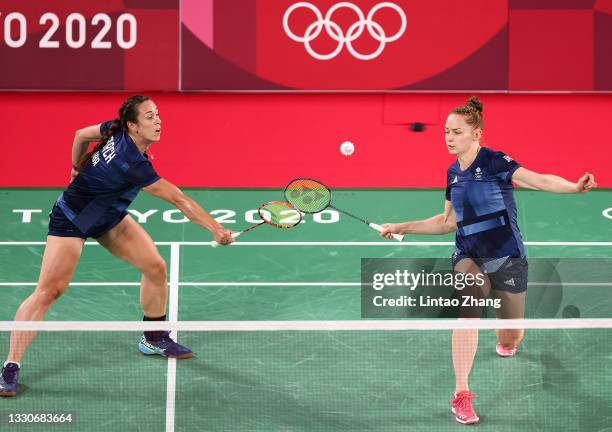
[[307, 195], [280, 214]]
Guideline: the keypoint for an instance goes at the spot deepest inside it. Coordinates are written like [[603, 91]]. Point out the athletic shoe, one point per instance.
[[461, 405], [164, 346], [9, 379], [503, 351]]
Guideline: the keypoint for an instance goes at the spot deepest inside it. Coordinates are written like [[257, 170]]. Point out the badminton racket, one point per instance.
[[276, 213], [311, 196]]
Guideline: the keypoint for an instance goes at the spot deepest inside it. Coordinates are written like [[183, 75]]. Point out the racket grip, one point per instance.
[[234, 235], [378, 228]]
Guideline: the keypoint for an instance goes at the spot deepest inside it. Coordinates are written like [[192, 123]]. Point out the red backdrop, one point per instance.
[[194, 45], [43, 60], [263, 140]]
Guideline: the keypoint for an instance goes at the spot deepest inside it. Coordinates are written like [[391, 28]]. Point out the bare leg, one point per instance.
[[130, 242], [464, 346], [59, 262], [465, 341], [513, 307]]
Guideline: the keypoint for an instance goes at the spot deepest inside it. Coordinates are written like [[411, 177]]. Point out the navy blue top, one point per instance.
[[483, 199], [107, 184]]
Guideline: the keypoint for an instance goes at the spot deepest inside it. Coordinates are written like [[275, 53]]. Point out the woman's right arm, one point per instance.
[[81, 141], [443, 223], [80, 144]]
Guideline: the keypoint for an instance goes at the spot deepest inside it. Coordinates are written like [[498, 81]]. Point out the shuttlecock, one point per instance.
[[347, 148]]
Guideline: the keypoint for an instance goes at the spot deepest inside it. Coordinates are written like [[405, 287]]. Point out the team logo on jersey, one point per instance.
[[478, 174], [508, 158]]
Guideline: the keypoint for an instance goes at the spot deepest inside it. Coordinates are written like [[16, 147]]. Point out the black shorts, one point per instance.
[[511, 276], [61, 226]]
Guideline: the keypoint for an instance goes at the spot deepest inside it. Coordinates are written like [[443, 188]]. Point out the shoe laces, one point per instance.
[[463, 400], [164, 341]]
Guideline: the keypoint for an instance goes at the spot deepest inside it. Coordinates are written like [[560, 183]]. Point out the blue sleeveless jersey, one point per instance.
[[483, 199], [108, 184]]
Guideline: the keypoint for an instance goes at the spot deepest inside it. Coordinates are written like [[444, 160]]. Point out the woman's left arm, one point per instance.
[[552, 183]]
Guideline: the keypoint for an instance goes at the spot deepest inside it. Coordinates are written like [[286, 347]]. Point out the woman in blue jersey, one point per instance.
[[105, 182], [480, 207]]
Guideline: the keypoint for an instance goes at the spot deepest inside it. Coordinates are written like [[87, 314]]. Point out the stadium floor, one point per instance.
[[303, 380]]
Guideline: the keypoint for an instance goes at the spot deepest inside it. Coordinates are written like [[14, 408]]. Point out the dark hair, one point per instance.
[[127, 113], [472, 111]]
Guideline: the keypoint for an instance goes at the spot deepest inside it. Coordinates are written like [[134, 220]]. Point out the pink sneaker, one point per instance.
[[503, 351], [461, 405]]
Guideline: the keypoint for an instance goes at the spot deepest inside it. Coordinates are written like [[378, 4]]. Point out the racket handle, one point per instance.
[[378, 228], [234, 235]]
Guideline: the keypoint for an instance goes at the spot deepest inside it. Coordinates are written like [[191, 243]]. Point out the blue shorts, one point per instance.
[[510, 275], [61, 226]]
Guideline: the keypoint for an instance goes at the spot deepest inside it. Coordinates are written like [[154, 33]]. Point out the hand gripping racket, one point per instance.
[[276, 213], [312, 196]]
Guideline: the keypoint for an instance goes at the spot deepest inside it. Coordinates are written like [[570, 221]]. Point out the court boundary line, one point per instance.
[[279, 284], [310, 325], [175, 251], [323, 243]]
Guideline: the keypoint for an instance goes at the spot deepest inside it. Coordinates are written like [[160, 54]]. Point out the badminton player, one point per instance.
[[105, 182], [480, 207]]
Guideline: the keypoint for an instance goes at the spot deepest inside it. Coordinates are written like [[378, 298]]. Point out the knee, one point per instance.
[[47, 295], [157, 269]]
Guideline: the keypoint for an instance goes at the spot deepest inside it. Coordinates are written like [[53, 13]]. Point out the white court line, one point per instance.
[[337, 325], [272, 284], [197, 284], [382, 243], [359, 283], [282, 284], [172, 319], [75, 283], [388, 243]]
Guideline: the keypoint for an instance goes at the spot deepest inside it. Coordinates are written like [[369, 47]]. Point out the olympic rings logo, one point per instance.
[[335, 31]]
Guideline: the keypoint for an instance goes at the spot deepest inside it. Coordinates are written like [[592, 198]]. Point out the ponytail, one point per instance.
[[114, 126], [127, 112]]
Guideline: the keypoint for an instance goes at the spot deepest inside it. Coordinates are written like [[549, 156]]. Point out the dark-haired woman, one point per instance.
[[480, 207], [105, 182]]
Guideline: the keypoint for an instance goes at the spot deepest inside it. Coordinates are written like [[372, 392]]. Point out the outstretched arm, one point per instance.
[[552, 183], [443, 223], [168, 192]]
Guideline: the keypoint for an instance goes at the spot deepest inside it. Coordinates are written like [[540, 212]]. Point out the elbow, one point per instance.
[[79, 137], [449, 228], [447, 223], [545, 184]]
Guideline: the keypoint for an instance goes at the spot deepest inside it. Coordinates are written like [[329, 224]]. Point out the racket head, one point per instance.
[[279, 214], [308, 195]]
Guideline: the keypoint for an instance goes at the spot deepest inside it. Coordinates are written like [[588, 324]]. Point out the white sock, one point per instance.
[[8, 361]]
